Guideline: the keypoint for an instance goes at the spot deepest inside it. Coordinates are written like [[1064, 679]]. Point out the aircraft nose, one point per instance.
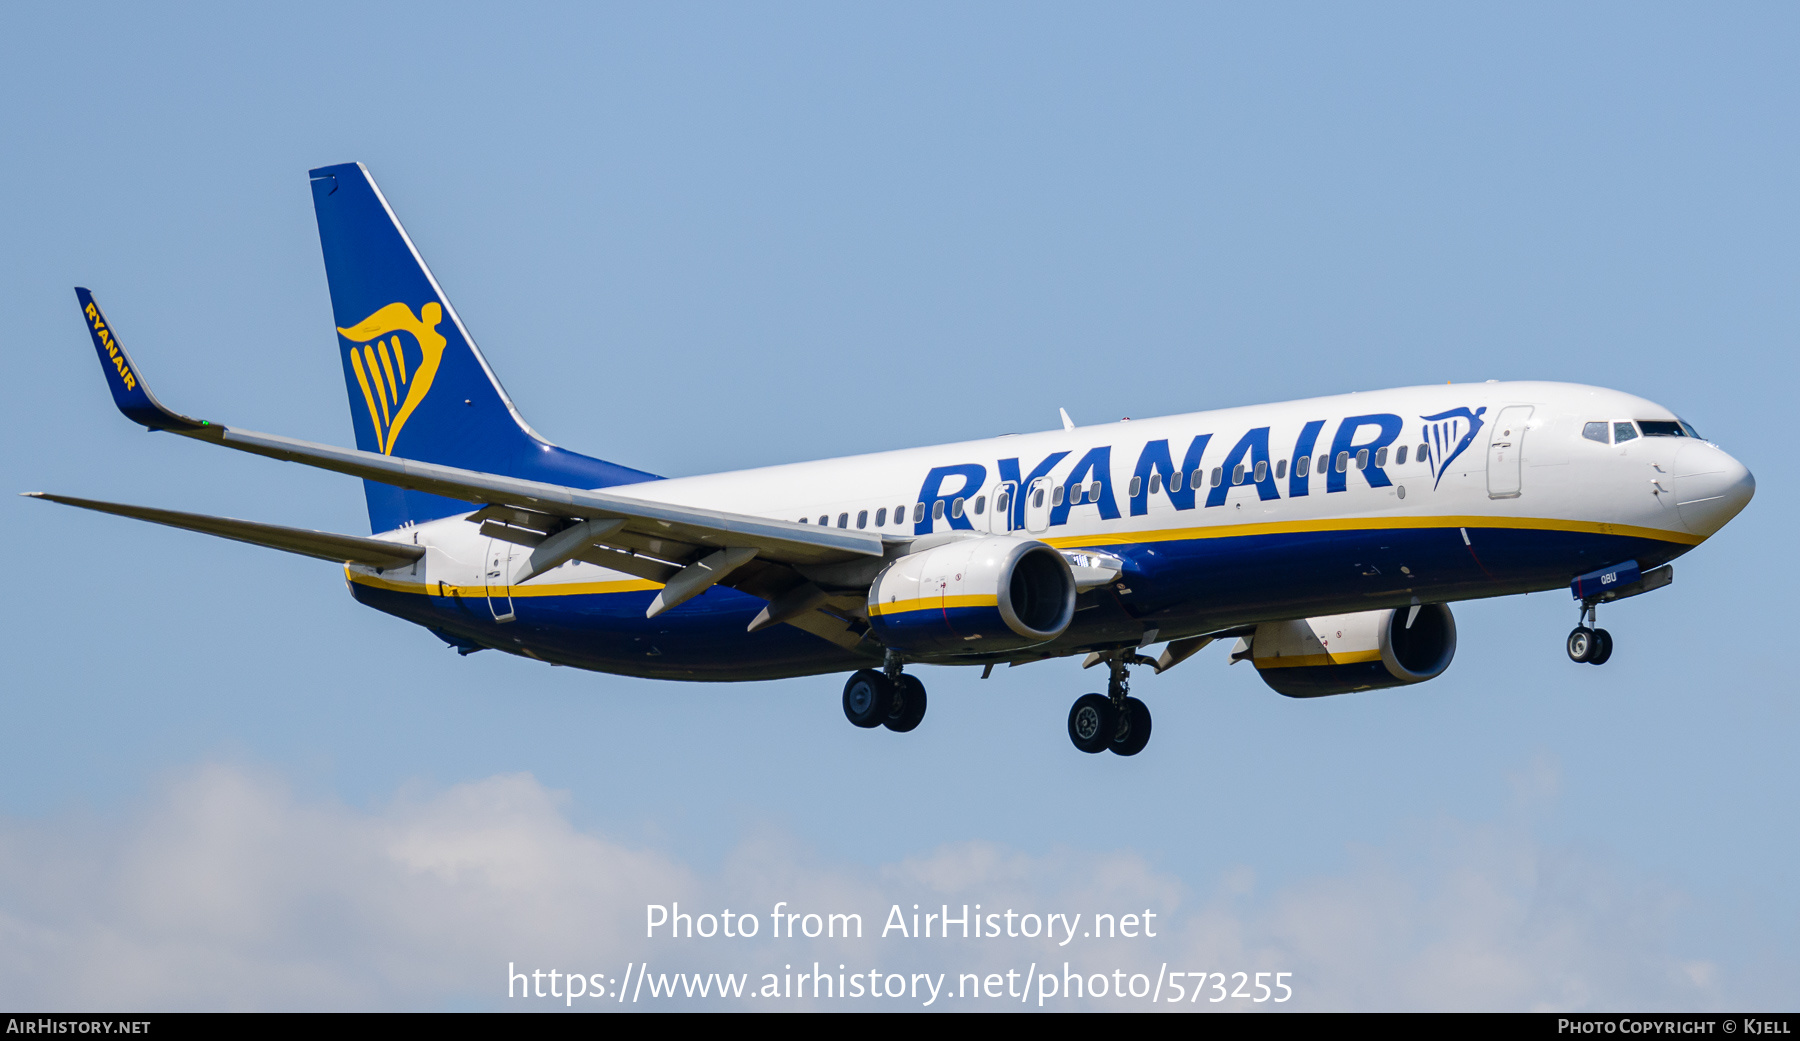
[[1711, 487]]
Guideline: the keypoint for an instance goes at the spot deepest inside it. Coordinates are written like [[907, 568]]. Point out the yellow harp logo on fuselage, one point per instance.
[[392, 384]]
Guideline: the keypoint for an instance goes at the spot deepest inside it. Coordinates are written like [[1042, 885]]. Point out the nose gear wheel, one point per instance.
[[1587, 644]]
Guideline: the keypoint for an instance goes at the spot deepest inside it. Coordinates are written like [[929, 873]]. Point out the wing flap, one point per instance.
[[324, 545]]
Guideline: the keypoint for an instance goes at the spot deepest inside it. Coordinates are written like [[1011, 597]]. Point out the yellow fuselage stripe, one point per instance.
[[933, 603], [630, 585], [1290, 661], [1226, 531]]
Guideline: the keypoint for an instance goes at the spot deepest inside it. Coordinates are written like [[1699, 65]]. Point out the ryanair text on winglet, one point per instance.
[[104, 335]]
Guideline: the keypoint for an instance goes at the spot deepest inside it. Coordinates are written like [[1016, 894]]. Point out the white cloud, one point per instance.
[[228, 891]]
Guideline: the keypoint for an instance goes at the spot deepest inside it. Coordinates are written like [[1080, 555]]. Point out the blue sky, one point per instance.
[[695, 238]]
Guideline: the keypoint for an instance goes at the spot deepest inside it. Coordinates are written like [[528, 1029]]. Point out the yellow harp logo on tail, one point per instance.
[[393, 384]]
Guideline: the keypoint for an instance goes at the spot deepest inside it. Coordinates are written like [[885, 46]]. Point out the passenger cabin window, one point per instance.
[[1281, 469], [956, 508], [937, 510], [843, 520], [1175, 481], [1362, 459], [1381, 457], [1262, 470], [980, 505], [1594, 432], [1000, 502], [1037, 499], [1660, 428], [918, 512], [1301, 465], [825, 522], [1343, 461], [881, 517], [1424, 452], [1218, 476], [1400, 456], [1237, 474], [1324, 464], [862, 518], [1056, 495], [1623, 432]]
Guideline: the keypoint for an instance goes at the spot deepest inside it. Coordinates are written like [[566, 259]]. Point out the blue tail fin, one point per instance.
[[419, 388]]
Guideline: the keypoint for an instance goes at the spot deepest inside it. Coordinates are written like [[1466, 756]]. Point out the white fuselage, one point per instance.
[[1407, 474]]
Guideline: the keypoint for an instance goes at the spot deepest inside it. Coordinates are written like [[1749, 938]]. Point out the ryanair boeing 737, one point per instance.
[[1326, 536]]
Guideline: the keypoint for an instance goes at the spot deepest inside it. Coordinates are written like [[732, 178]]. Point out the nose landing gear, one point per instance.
[[1113, 720], [1587, 644]]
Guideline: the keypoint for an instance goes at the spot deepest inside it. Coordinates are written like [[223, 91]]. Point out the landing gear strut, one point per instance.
[[888, 698], [1588, 644], [1114, 720]]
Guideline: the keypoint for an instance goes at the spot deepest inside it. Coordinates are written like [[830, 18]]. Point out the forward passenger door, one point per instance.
[[1506, 445]]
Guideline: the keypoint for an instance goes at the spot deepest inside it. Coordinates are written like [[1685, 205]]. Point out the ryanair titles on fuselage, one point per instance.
[[1362, 443]]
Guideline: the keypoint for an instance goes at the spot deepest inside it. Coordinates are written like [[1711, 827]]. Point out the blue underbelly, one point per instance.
[[1180, 587]]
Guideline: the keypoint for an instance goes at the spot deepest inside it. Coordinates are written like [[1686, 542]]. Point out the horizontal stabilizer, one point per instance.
[[343, 549]]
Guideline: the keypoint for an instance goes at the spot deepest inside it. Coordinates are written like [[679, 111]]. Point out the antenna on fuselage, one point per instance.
[[1068, 424]]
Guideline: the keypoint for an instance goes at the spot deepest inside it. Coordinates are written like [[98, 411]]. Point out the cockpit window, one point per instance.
[[1595, 432], [1661, 428], [1623, 432], [1689, 427]]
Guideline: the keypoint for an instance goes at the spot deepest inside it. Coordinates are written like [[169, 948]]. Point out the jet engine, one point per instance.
[[1341, 653], [974, 596]]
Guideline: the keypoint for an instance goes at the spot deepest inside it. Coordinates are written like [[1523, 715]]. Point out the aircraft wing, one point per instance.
[[343, 549], [687, 548], [682, 531], [782, 541]]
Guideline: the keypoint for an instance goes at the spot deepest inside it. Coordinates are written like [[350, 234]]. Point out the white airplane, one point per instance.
[[1328, 536]]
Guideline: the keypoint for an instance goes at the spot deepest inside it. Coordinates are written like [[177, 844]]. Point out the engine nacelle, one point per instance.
[[1341, 653], [973, 596]]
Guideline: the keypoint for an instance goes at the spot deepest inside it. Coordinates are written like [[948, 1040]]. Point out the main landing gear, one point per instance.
[[1112, 720], [889, 698], [1587, 644]]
